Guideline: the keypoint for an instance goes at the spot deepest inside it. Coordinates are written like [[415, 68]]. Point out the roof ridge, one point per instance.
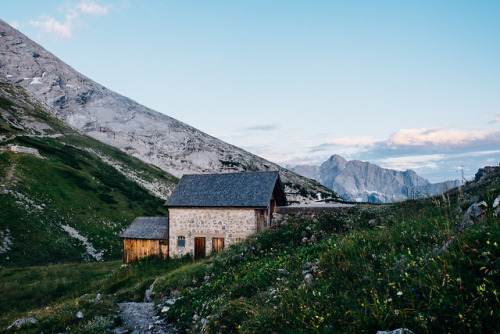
[[232, 173]]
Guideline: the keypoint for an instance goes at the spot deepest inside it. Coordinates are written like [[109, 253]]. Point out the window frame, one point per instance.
[[181, 241]]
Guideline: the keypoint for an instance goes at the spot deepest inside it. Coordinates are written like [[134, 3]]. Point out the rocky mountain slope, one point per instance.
[[120, 122], [365, 182], [64, 196]]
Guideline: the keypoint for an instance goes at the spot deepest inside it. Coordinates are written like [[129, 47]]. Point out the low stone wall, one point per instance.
[[312, 208]]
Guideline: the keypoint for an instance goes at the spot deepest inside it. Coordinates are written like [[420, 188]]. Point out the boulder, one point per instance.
[[21, 322], [474, 211], [396, 331]]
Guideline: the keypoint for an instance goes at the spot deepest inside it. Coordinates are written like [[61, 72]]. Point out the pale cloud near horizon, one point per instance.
[[64, 29], [432, 139], [444, 137], [496, 119], [427, 151], [261, 127], [347, 141]]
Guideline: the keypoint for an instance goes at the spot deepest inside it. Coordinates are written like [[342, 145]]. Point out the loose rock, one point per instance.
[[21, 322], [309, 279]]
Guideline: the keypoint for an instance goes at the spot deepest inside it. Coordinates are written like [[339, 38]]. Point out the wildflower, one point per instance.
[[399, 293], [474, 250]]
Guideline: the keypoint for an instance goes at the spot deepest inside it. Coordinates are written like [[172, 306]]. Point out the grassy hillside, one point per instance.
[[416, 267], [66, 200]]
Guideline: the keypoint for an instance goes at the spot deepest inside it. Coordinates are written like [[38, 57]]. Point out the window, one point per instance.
[[181, 241], [217, 244]]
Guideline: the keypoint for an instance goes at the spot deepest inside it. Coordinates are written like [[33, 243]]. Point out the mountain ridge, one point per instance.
[[363, 181], [118, 121]]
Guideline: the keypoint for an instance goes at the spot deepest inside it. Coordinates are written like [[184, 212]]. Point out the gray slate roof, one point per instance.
[[227, 190], [147, 228]]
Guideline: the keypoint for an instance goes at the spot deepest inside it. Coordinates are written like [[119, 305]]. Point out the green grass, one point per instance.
[[72, 185], [22, 289], [54, 294], [417, 269]]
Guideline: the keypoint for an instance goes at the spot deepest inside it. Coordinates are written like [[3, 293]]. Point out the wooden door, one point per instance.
[[217, 244], [163, 249], [271, 211], [199, 247]]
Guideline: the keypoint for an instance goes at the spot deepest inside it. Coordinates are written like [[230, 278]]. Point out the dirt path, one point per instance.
[[140, 318], [9, 180]]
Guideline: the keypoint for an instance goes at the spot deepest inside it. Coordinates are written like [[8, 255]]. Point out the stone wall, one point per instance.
[[230, 224]]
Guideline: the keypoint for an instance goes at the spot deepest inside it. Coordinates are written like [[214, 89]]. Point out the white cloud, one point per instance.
[[92, 8], [64, 28], [15, 25], [49, 24]]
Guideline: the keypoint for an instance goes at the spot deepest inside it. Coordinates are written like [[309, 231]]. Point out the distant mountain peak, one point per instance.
[[363, 181]]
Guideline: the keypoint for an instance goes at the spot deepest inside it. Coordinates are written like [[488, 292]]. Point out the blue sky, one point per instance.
[[403, 84]]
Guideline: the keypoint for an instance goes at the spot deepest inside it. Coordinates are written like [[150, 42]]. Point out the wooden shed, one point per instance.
[[146, 236]]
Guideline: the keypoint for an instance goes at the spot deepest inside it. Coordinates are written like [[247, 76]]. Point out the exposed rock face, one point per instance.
[[365, 182], [118, 121]]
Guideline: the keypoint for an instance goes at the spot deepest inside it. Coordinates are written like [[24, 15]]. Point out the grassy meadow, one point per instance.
[[410, 265]]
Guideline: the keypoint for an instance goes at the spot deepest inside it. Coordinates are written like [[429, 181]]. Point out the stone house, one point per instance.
[[212, 211], [146, 236]]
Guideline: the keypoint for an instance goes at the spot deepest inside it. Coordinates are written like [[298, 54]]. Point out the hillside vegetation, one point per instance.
[[415, 264], [65, 196]]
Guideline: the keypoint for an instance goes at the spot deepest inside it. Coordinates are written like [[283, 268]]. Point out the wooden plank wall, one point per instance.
[[135, 249]]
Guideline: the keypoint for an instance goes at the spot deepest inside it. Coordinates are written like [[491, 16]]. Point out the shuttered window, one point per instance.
[[181, 241], [217, 244]]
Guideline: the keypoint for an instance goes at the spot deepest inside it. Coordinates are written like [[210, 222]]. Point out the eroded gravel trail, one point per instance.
[[139, 318]]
